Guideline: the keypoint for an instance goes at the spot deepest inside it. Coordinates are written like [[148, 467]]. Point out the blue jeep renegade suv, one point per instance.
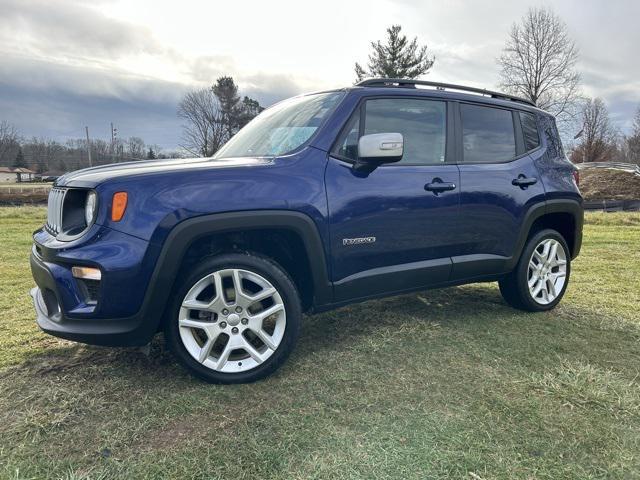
[[324, 199]]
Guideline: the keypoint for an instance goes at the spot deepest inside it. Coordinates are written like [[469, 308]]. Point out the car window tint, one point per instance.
[[529, 131], [422, 124], [487, 134]]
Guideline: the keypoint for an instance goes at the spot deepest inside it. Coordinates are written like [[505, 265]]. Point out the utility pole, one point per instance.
[[114, 138], [86, 129]]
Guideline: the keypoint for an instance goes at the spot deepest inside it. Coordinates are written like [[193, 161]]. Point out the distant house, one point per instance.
[[9, 174], [6, 175]]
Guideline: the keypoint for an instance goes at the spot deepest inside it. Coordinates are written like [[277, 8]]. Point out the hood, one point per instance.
[[90, 177]]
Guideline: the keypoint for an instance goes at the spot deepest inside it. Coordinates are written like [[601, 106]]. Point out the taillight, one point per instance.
[[576, 177]]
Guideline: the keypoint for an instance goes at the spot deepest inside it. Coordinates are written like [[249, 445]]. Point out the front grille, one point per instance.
[[54, 210]]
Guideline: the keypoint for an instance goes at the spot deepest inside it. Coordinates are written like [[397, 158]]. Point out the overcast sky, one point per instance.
[[66, 64]]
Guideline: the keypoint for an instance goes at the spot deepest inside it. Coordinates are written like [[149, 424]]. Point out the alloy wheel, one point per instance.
[[547, 271], [232, 320]]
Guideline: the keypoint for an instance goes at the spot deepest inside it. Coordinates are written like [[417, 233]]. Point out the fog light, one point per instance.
[[86, 273]]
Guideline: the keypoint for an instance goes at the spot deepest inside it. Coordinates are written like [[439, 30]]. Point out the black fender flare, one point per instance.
[[565, 205], [188, 231]]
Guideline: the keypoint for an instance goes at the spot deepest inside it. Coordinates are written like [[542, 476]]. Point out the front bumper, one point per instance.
[[114, 333], [120, 317], [43, 317]]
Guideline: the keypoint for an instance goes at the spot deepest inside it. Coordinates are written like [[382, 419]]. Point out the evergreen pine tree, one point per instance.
[[397, 58], [235, 112], [226, 91]]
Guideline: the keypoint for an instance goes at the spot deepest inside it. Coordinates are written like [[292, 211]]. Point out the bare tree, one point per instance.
[[136, 148], [204, 130], [633, 142], [100, 149], [397, 58], [599, 138], [37, 151], [539, 61], [9, 143]]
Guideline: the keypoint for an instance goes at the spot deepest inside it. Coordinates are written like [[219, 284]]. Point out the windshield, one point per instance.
[[281, 128]]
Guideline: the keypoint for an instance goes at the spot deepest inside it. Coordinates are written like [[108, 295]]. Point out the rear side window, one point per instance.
[[529, 131], [487, 134], [554, 144]]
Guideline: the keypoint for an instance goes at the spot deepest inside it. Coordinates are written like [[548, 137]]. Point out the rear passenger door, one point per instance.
[[498, 184]]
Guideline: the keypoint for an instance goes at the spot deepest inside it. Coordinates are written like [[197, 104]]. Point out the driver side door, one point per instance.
[[392, 228]]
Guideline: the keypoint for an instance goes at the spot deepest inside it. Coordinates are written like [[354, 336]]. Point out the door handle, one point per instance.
[[438, 186], [524, 182]]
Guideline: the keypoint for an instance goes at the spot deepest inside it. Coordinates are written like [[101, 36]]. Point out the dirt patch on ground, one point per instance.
[[604, 184], [190, 428]]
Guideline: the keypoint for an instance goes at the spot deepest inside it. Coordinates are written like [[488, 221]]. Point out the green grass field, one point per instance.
[[440, 384]]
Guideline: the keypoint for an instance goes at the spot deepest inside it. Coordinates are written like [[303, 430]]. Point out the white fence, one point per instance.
[[26, 189]]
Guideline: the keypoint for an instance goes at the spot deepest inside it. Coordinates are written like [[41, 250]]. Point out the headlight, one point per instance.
[[90, 208]]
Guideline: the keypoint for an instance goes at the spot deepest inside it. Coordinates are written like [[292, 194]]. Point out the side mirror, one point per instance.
[[380, 148]]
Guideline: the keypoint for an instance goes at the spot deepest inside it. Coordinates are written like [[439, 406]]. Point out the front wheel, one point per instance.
[[541, 276], [234, 319]]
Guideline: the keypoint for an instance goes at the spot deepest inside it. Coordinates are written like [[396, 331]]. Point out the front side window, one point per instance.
[[282, 128], [422, 124], [529, 131], [487, 134]]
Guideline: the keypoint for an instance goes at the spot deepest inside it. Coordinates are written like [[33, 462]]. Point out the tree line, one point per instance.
[[539, 62], [211, 116], [600, 141], [49, 156]]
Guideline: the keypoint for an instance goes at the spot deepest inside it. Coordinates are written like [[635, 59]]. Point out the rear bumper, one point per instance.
[[52, 319]]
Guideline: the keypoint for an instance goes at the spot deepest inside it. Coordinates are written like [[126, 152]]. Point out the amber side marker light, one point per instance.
[[86, 273], [118, 206]]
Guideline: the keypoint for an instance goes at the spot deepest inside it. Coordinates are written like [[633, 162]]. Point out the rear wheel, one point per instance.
[[235, 318], [541, 276]]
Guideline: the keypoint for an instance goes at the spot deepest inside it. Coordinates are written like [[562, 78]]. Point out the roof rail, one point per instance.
[[403, 82]]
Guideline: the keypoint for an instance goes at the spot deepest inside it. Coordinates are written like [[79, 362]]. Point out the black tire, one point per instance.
[[514, 286], [264, 267]]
